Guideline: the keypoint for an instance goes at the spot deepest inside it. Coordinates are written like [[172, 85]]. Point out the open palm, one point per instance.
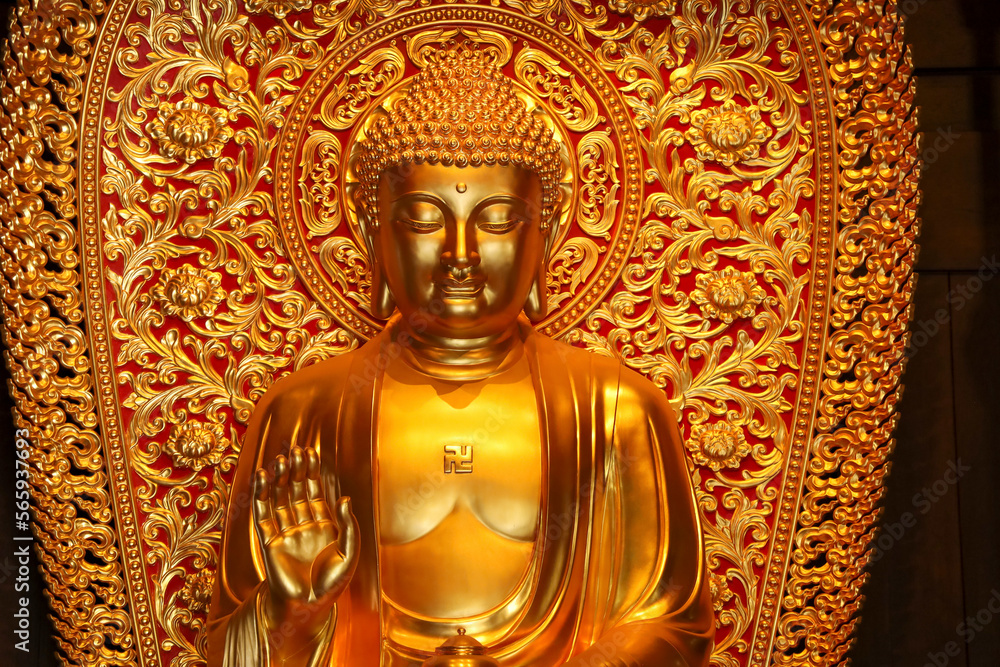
[[310, 553]]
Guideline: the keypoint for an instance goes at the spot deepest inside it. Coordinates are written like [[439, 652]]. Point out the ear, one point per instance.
[[557, 216], [365, 222], [536, 306], [382, 303]]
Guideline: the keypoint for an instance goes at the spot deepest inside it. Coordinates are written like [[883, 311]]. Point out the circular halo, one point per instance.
[[603, 187]]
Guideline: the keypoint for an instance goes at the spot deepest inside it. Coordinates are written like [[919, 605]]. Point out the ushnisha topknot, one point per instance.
[[460, 110]]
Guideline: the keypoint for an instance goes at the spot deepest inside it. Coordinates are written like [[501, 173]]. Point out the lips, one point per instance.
[[461, 287]]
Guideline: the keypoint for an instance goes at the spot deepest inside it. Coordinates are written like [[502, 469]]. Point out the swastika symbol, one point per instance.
[[458, 459]]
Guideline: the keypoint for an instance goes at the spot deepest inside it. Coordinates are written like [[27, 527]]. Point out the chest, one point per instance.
[[477, 452], [458, 477]]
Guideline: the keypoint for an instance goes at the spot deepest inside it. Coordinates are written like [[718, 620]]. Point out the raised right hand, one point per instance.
[[310, 553]]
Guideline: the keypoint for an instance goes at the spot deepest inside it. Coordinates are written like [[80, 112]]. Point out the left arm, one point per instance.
[[659, 611]]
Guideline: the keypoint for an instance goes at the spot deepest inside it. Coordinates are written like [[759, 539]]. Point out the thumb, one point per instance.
[[340, 558], [349, 530]]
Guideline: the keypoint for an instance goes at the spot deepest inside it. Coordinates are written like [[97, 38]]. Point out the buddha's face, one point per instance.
[[459, 247]]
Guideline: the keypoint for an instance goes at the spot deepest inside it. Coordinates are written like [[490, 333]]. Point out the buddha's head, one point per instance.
[[458, 189]]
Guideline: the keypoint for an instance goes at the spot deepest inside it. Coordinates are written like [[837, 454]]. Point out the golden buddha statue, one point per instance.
[[461, 470]]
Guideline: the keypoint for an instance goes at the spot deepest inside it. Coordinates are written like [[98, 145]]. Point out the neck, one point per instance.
[[459, 359]]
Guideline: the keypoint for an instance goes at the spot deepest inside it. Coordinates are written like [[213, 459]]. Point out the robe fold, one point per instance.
[[619, 576]]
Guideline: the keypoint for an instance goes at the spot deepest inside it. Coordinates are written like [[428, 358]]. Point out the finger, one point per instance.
[[314, 487], [261, 485], [349, 530], [279, 495], [297, 497], [263, 517], [313, 490]]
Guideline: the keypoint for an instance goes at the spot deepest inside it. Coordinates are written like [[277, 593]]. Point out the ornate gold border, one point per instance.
[[777, 563], [120, 483], [868, 75], [831, 487], [48, 351]]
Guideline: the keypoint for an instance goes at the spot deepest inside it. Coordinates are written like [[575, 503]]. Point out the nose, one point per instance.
[[460, 255]]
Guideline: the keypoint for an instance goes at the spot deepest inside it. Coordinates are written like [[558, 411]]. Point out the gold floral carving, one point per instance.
[[870, 77], [719, 445], [727, 294], [740, 229], [277, 8], [727, 134], [197, 592], [188, 292], [643, 9], [719, 590], [495, 45], [544, 77], [599, 184], [320, 188], [195, 445], [48, 354], [373, 76], [189, 131]]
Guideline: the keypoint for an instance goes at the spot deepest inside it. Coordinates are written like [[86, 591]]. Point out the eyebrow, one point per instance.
[[418, 193], [428, 195], [503, 195]]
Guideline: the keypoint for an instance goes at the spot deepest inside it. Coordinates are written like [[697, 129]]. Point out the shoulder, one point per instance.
[[647, 439], [629, 387], [636, 390], [641, 408], [321, 382], [579, 361]]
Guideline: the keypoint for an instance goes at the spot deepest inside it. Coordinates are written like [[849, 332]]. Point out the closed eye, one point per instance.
[[421, 227], [498, 227]]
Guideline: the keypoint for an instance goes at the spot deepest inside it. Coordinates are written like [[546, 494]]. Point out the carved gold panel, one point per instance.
[[739, 228]]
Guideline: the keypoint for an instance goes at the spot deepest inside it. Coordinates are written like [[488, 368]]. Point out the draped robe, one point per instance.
[[620, 575]]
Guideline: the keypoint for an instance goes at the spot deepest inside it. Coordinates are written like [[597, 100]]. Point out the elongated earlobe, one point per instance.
[[536, 306], [383, 304]]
